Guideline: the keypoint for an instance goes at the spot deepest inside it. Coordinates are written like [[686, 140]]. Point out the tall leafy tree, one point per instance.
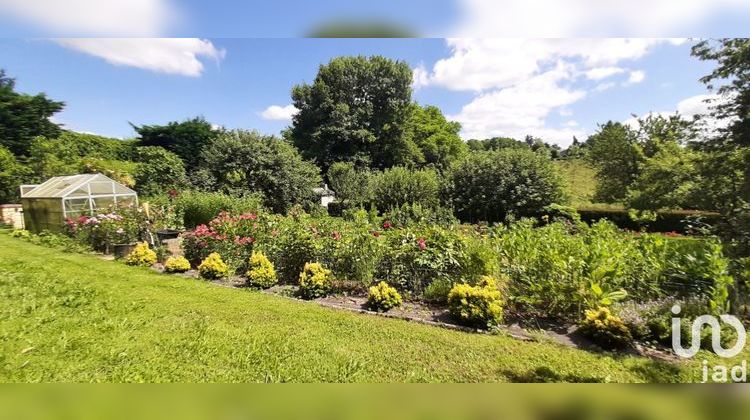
[[12, 175], [725, 167], [24, 117], [436, 138], [615, 153], [186, 139], [158, 170], [243, 162], [355, 111]]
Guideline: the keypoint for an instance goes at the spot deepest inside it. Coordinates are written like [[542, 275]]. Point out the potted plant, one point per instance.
[[168, 222]]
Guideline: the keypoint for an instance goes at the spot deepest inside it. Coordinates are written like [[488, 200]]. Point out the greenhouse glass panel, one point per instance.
[[48, 204]]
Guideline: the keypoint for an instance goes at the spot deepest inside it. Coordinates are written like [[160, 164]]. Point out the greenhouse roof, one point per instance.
[[84, 185]]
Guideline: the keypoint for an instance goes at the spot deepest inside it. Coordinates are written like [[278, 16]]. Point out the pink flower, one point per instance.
[[387, 225], [336, 235], [422, 243]]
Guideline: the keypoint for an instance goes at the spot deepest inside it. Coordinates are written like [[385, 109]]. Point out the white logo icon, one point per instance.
[[695, 342]]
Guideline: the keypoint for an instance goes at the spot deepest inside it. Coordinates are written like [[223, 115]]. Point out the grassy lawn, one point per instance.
[[581, 180], [70, 317]]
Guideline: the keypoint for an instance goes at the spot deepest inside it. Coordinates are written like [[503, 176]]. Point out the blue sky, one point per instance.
[[549, 88]]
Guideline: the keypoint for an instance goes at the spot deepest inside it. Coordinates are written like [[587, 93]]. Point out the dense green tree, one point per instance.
[[12, 175], [489, 186], [496, 143], [397, 186], [355, 111], [725, 168], [436, 138], [243, 162], [158, 171], [616, 155], [666, 180], [352, 185], [186, 139], [24, 117]]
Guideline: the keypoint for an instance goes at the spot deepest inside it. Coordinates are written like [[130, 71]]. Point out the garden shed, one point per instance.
[[47, 205]]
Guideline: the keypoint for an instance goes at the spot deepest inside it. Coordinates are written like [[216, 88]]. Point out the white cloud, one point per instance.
[[519, 82], [598, 73], [275, 112], [165, 55], [521, 110], [689, 108], [95, 17], [420, 77], [636, 76], [575, 18]]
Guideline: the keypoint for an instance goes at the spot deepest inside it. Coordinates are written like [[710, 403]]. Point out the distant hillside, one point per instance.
[[581, 179]]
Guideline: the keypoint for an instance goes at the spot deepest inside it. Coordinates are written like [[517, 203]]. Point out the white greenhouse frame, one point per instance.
[[47, 205]]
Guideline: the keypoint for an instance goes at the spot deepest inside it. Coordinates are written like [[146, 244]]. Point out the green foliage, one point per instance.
[[352, 186], [199, 207], [261, 272], [383, 298], [158, 171], [666, 180], [606, 329], [614, 152], [314, 281], [244, 162], [213, 267], [23, 117], [490, 186], [437, 139], [12, 175], [177, 264], [355, 111], [397, 186], [477, 306], [186, 139], [418, 214], [141, 256]]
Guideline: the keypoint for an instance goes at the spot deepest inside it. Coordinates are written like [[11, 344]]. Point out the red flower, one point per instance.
[[387, 225], [248, 216], [375, 233], [173, 193], [242, 241], [422, 243]]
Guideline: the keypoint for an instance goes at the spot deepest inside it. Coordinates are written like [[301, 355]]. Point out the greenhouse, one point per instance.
[[47, 205]]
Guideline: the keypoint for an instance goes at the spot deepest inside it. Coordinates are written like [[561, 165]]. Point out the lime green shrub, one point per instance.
[[314, 281], [20, 233], [605, 329], [383, 297], [141, 256], [261, 272], [213, 267], [477, 306], [178, 264]]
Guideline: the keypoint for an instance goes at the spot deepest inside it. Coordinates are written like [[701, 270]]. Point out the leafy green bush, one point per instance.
[[261, 272], [141, 255], [314, 281], [383, 297], [477, 306], [397, 186], [199, 208], [177, 264], [213, 267], [605, 329], [490, 186], [158, 171], [437, 291]]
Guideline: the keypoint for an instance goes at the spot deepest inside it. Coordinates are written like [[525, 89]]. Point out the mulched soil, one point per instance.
[[439, 316]]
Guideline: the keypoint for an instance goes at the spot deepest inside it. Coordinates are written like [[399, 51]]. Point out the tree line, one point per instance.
[[359, 129]]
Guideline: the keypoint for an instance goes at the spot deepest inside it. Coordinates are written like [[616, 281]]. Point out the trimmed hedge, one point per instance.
[[667, 221]]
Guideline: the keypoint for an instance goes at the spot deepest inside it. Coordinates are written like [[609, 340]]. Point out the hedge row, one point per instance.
[[680, 221]]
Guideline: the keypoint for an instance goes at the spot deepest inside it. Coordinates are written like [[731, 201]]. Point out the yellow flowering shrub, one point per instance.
[[605, 329], [383, 297], [476, 306], [314, 281], [141, 255], [261, 272], [178, 264], [213, 267]]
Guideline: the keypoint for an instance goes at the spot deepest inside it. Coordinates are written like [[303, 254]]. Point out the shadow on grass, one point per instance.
[[546, 375]]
